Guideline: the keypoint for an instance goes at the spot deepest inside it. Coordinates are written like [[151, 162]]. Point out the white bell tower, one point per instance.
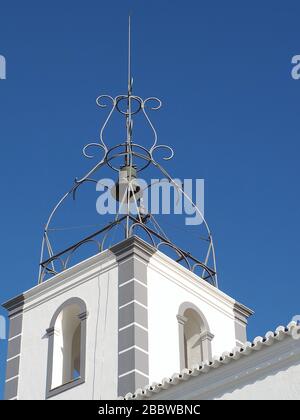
[[117, 319], [120, 319]]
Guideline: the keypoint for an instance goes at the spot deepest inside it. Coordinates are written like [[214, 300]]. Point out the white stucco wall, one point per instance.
[[100, 293], [170, 285]]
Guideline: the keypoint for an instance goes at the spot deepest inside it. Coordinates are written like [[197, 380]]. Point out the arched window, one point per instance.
[[194, 336], [66, 351]]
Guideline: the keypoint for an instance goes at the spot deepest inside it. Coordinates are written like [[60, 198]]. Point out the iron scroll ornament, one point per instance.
[[131, 152]]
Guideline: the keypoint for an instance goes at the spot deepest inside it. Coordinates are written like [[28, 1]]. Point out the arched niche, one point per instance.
[[194, 336], [66, 347]]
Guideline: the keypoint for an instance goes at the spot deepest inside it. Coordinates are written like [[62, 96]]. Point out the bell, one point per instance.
[[126, 186]]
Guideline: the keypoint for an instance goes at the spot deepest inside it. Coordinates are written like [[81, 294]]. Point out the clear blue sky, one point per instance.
[[231, 111]]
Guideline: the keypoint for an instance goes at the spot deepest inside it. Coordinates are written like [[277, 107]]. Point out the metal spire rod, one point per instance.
[[129, 122], [129, 53]]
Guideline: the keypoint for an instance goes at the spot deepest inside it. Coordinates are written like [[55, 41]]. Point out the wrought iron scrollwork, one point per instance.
[[138, 157]]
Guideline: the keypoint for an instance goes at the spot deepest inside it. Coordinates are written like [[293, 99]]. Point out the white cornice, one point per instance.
[[79, 273], [107, 260]]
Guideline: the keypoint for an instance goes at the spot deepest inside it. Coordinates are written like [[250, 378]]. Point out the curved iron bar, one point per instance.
[[130, 151], [47, 271], [138, 224], [177, 250], [82, 182], [47, 226], [154, 145], [93, 170], [142, 106], [197, 210], [148, 119], [102, 143], [163, 146], [171, 180], [168, 176], [105, 160], [153, 99], [72, 191], [124, 153], [151, 160], [204, 267], [184, 255], [51, 270], [110, 229], [88, 146], [105, 236], [114, 104], [137, 99], [71, 253]]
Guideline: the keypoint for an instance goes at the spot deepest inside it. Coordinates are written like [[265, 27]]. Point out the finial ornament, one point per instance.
[[128, 158]]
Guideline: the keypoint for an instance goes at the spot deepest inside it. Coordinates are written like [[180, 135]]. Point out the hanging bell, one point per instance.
[[127, 187]]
